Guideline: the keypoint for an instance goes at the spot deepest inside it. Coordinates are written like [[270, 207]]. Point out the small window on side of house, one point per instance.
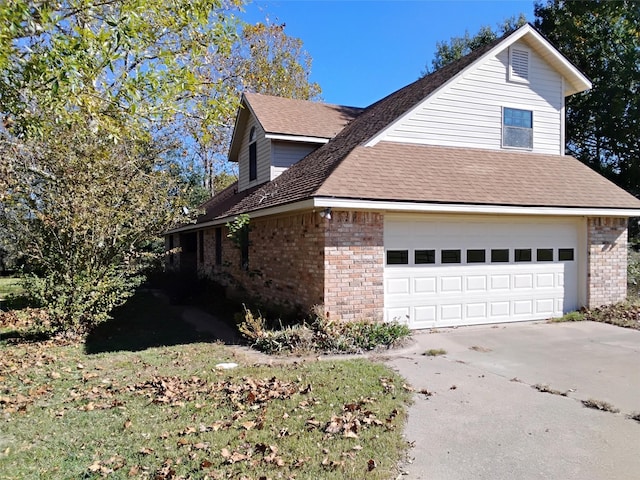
[[201, 246], [423, 257], [253, 161], [397, 257], [517, 128]]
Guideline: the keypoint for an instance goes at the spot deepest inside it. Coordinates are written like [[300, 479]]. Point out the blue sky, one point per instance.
[[363, 50]]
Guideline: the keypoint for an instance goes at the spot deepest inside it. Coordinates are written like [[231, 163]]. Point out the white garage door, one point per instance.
[[448, 273]]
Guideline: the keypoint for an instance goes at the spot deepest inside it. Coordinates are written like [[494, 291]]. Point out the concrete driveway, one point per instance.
[[485, 419]]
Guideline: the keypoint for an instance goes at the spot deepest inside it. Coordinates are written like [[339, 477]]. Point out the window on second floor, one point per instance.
[[253, 155], [517, 128]]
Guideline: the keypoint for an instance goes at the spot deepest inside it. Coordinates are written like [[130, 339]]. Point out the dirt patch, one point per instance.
[[477, 348], [600, 405]]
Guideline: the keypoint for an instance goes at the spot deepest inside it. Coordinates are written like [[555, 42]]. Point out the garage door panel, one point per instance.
[[545, 280], [522, 280], [475, 311], [452, 312], [500, 309], [425, 313], [523, 307], [501, 290], [545, 306], [476, 283], [500, 282], [451, 284], [425, 284]]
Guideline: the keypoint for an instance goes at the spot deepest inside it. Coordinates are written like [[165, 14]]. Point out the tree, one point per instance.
[[92, 96], [602, 39], [458, 47], [263, 59], [79, 229]]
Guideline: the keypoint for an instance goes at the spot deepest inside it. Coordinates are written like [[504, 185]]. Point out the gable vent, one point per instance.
[[519, 65]]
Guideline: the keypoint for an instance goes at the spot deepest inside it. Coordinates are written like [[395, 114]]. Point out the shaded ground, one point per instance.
[[149, 320]]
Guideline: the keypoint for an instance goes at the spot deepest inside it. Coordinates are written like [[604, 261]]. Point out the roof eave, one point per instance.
[[468, 208]]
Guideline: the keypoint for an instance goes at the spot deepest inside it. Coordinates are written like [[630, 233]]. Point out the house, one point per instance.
[[449, 202]]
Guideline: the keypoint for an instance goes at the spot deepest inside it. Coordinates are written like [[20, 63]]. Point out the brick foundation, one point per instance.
[[607, 268]]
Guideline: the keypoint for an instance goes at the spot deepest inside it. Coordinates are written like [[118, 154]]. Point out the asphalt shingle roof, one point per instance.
[[471, 176], [344, 168], [300, 117]]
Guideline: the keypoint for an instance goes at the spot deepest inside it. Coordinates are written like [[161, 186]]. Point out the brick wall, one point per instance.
[[285, 260], [303, 260], [354, 265], [607, 269]]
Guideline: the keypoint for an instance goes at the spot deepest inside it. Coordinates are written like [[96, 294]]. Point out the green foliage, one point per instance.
[[123, 61], [82, 211], [602, 39], [570, 317], [458, 47], [321, 334], [274, 63], [263, 59]]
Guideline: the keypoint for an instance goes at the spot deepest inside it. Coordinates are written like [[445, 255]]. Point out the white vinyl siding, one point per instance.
[[263, 148], [468, 111], [285, 154]]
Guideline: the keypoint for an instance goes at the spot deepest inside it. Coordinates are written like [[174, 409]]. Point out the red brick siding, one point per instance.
[[354, 265], [607, 270]]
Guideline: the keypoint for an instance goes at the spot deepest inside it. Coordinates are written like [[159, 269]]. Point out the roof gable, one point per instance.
[[290, 118], [574, 80]]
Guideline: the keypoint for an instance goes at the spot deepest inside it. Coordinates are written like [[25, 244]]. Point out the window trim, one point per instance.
[[505, 127]]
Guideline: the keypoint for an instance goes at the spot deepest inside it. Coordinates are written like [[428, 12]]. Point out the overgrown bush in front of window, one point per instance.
[[320, 334]]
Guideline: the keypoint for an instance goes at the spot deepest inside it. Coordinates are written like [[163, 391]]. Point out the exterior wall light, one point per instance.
[[326, 213]]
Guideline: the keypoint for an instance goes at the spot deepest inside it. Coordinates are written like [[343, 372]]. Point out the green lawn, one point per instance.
[[167, 412], [9, 286]]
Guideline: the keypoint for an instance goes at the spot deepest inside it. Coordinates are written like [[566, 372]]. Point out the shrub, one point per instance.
[[320, 334], [578, 316]]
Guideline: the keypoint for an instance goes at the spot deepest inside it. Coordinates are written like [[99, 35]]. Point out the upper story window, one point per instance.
[[517, 128], [518, 65], [253, 155]]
